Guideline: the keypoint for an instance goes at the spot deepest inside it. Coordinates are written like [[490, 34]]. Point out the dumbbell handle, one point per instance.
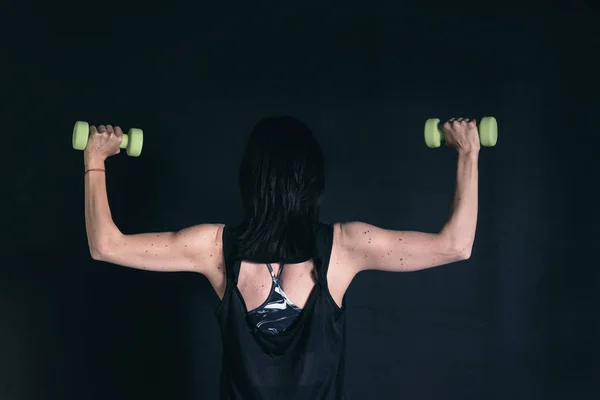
[[440, 126], [125, 141]]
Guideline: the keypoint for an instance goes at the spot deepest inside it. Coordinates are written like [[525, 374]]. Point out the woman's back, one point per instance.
[[306, 361]]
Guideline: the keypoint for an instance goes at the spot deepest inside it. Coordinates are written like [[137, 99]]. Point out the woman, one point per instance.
[[281, 275]]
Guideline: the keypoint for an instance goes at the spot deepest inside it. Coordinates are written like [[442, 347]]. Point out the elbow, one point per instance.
[[96, 253], [99, 252], [102, 246], [458, 245], [463, 252]]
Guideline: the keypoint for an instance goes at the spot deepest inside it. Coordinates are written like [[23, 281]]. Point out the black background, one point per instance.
[[518, 320]]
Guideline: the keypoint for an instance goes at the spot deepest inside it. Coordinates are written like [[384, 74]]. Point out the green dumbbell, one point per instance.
[[133, 141], [488, 132]]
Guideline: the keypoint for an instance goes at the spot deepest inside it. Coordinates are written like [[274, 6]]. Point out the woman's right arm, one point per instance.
[[197, 248]]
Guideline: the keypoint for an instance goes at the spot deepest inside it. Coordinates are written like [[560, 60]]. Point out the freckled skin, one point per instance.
[[419, 248]]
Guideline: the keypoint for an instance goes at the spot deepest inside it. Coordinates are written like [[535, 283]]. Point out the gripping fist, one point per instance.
[[462, 134], [104, 142]]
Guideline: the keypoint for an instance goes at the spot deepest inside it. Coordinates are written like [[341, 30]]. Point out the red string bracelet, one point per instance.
[[94, 169]]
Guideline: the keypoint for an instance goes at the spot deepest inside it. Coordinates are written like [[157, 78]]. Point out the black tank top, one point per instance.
[[307, 361]]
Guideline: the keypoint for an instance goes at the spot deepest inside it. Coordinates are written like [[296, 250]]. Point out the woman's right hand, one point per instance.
[[103, 142], [462, 134]]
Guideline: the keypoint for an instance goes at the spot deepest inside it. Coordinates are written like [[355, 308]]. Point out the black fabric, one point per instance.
[[305, 362]]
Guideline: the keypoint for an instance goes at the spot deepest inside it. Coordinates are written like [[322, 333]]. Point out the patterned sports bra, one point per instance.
[[277, 313]]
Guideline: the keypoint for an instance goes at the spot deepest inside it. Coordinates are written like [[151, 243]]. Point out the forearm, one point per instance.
[[98, 219], [460, 228]]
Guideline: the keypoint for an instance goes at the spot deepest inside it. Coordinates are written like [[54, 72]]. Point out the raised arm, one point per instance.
[[387, 250], [195, 248]]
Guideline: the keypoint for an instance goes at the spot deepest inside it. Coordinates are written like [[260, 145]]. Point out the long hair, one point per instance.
[[282, 182]]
